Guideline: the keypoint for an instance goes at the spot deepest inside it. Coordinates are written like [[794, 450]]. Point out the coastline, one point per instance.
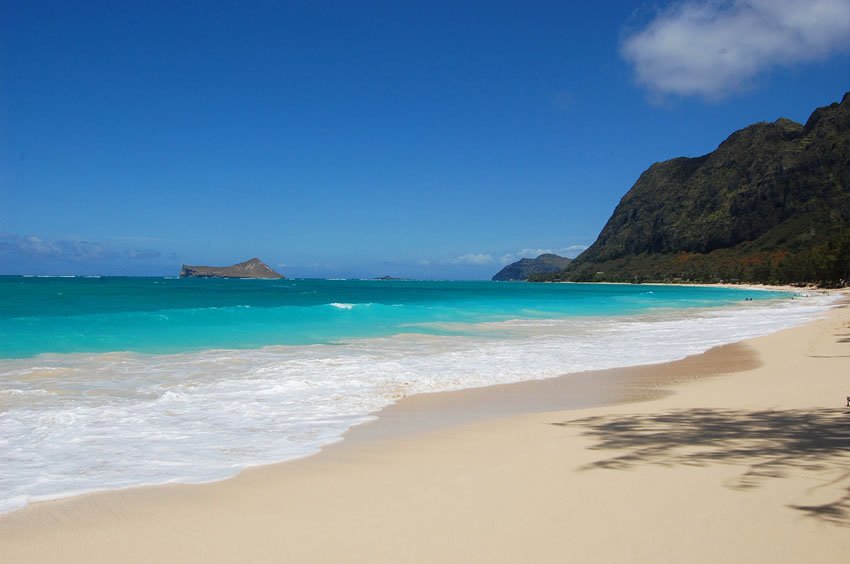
[[810, 288], [197, 417], [505, 474]]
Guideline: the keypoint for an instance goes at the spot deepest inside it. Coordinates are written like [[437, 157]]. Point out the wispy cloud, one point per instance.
[[35, 247], [563, 100], [715, 48], [143, 254], [473, 258], [484, 259], [571, 252], [136, 238]]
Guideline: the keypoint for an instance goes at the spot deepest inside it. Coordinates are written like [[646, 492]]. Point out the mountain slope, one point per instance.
[[524, 268], [769, 202]]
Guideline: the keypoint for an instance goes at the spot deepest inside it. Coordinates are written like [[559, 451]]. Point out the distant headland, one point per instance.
[[253, 268], [522, 269]]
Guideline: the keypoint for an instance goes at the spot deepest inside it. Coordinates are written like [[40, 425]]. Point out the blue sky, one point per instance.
[[426, 139]]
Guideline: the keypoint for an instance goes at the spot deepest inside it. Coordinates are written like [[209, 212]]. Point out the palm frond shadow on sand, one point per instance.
[[768, 444]]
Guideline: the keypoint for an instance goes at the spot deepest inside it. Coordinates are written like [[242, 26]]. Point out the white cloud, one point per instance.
[[32, 245], [714, 48], [142, 254], [572, 251], [80, 251], [471, 258]]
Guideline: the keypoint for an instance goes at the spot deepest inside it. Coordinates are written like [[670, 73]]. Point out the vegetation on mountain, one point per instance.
[[546, 263], [771, 204]]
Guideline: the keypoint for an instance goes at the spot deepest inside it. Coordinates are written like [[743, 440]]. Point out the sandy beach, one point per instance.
[[741, 454]]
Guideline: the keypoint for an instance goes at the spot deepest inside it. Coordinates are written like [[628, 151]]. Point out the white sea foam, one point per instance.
[[84, 422]]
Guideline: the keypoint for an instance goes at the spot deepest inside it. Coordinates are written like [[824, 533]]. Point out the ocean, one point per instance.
[[108, 383]]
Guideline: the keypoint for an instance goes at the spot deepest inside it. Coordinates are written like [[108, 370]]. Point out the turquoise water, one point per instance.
[[166, 315], [191, 380]]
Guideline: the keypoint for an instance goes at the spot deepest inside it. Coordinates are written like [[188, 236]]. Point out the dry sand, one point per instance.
[[738, 455]]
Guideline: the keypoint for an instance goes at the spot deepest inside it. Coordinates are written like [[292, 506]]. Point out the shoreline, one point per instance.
[[728, 285], [581, 388], [374, 453], [428, 412], [260, 406], [431, 411]]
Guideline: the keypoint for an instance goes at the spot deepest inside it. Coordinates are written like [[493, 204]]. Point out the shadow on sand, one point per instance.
[[768, 444]]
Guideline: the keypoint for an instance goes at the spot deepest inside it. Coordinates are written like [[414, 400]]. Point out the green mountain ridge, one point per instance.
[[522, 269], [770, 204]]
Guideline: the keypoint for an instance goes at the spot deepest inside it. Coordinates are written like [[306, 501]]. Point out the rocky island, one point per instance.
[[254, 268]]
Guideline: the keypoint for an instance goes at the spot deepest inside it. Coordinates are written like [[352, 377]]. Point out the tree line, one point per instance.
[[826, 264]]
